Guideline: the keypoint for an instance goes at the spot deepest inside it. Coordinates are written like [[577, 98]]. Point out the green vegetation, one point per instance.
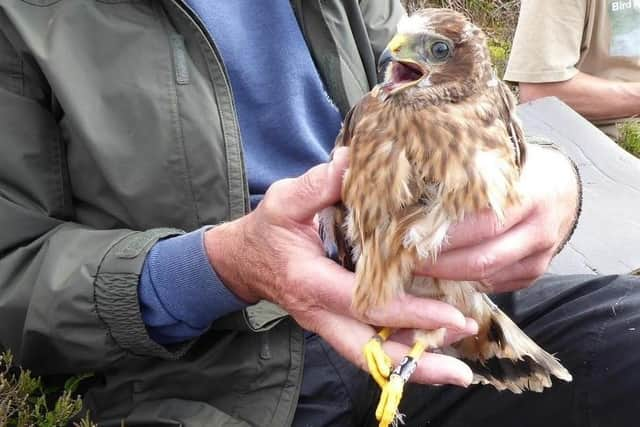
[[630, 136], [24, 401]]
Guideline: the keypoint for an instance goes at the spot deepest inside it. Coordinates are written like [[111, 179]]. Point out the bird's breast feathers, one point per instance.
[[417, 171]]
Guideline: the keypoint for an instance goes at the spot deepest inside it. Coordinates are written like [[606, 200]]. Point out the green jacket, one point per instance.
[[117, 128]]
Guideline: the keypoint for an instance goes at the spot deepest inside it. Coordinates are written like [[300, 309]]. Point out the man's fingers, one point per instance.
[[520, 274], [299, 199], [482, 226], [486, 259], [349, 337], [421, 313], [403, 312], [433, 368]]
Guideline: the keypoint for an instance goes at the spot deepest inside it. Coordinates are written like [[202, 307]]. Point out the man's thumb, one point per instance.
[[320, 187]]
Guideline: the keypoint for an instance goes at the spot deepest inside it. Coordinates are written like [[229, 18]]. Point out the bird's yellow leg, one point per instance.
[[391, 395], [378, 362]]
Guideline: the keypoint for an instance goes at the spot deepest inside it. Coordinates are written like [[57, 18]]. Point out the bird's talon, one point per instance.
[[378, 362], [387, 409]]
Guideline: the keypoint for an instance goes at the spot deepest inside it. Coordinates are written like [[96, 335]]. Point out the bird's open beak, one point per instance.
[[400, 65]]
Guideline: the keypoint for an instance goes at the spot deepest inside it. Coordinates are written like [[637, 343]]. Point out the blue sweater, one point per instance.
[[288, 124]]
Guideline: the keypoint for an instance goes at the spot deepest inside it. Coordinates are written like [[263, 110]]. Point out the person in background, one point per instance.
[[161, 165], [585, 52]]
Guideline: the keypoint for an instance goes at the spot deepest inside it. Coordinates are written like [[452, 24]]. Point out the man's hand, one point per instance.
[[512, 255], [275, 253]]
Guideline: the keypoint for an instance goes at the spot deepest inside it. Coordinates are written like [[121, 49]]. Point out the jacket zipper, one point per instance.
[[196, 19], [181, 4]]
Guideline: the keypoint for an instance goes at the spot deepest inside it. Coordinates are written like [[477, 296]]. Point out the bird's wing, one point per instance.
[[332, 219], [331, 228], [507, 106]]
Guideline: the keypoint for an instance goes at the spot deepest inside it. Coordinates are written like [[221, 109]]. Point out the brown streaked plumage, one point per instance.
[[436, 141]]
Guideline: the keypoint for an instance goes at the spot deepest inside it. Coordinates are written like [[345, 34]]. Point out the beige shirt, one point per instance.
[[556, 38]]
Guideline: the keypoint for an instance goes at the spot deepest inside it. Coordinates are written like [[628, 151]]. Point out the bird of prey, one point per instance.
[[437, 140]]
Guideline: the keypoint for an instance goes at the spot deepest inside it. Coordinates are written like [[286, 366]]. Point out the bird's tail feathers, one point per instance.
[[504, 356]]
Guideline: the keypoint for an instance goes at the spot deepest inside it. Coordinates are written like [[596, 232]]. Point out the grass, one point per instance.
[[24, 401], [629, 138]]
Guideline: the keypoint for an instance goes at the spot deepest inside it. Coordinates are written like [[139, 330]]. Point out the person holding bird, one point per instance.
[[165, 169]]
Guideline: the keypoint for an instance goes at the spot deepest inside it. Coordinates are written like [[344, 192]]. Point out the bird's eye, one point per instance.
[[440, 50]]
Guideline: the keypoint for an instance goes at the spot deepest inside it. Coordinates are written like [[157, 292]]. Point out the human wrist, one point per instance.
[[225, 255]]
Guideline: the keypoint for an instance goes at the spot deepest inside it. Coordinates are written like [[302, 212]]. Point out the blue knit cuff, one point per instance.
[[180, 293]]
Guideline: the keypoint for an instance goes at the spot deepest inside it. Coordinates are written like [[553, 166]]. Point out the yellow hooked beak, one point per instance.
[[400, 64]]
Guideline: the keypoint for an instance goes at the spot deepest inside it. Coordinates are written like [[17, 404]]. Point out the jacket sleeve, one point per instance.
[[180, 293], [381, 19], [68, 292]]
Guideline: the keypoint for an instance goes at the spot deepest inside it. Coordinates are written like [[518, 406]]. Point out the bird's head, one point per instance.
[[436, 50]]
